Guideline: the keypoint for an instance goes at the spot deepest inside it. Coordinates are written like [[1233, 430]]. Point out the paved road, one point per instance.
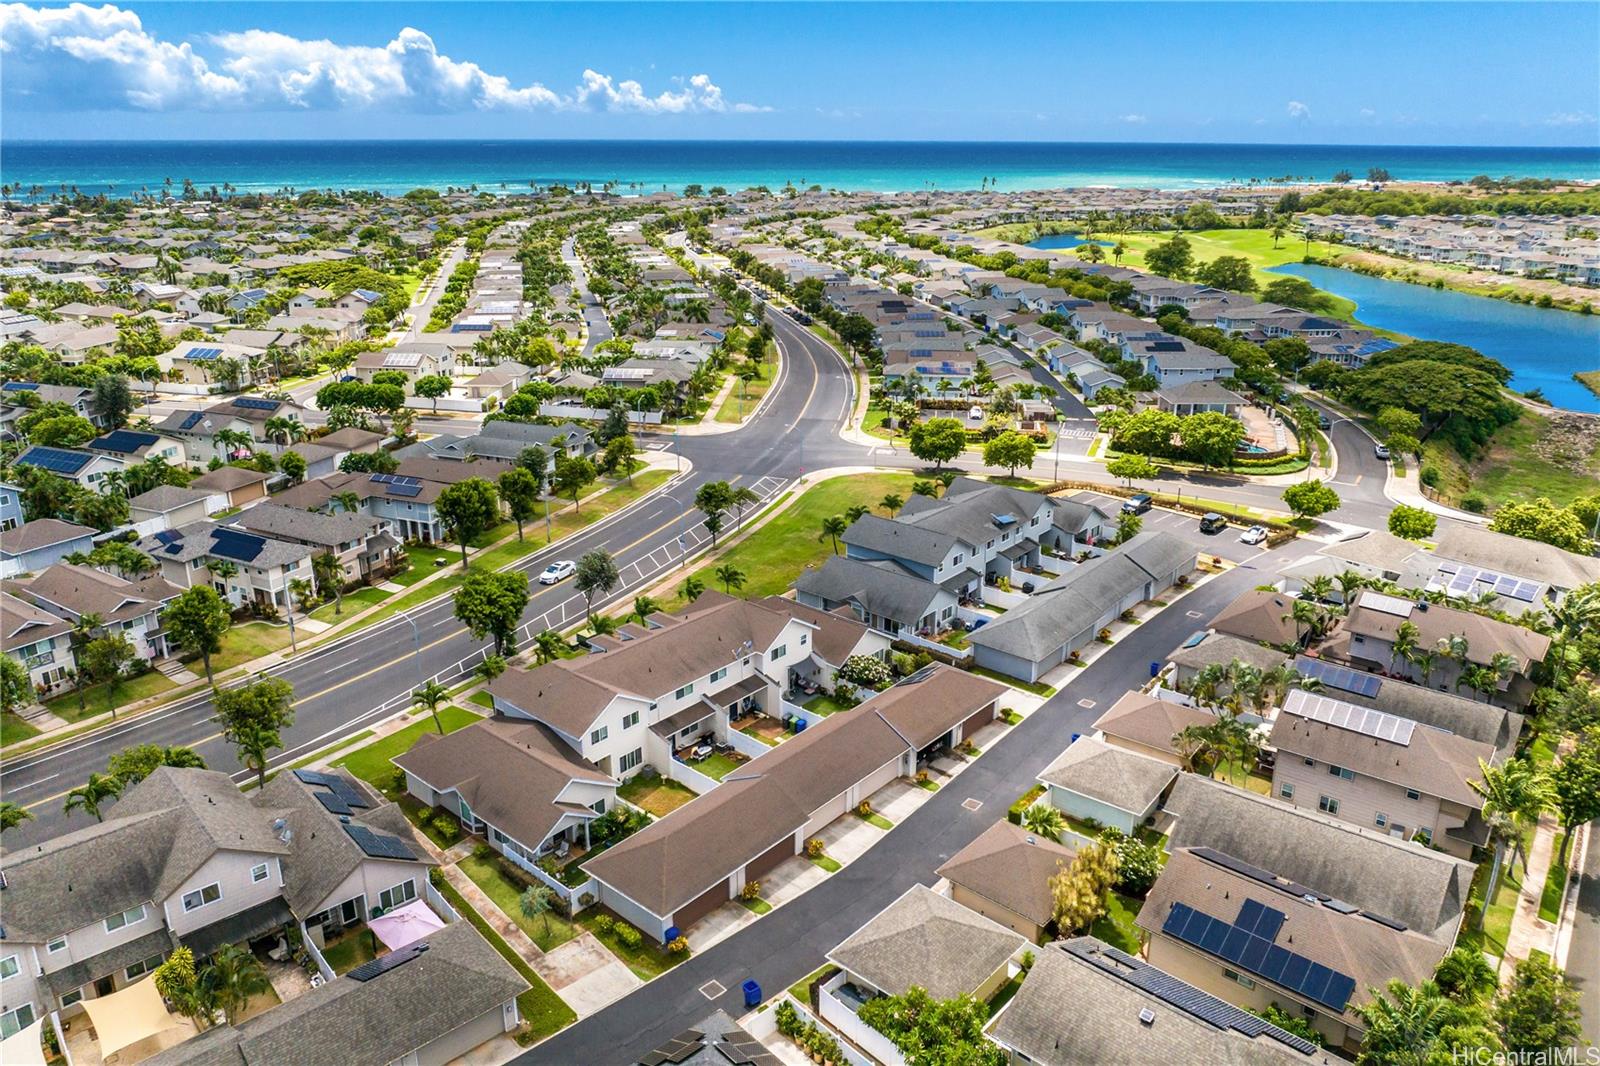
[[594, 315], [1583, 958], [789, 943]]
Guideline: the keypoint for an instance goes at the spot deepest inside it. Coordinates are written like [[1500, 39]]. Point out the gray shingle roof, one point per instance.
[[1012, 867], [929, 940], [881, 587], [1100, 771]]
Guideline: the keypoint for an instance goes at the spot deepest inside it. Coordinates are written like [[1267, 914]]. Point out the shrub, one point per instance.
[[1014, 815], [788, 1019], [679, 946], [447, 830], [1430, 476], [866, 670], [751, 890], [1138, 866], [814, 847], [603, 923], [628, 936], [484, 853], [864, 808], [1476, 502], [1026, 962]]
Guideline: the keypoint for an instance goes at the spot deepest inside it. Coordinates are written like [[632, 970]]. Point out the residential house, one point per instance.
[[838, 637], [10, 506], [239, 485], [1175, 361], [129, 608], [198, 429], [210, 362], [35, 545], [86, 469], [1146, 723], [1558, 570], [881, 593], [40, 641], [361, 543], [1261, 615], [262, 567], [132, 445], [1200, 397], [1093, 781], [507, 440], [1004, 875], [404, 499], [170, 506]]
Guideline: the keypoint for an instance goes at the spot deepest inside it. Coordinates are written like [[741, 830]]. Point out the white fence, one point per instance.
[[959, 654], [810, 718], [316, 955], [837, 1014], [685, 774], [747, 745], [851, 1055], [997, 597], [445, 403], [596, 414], [436, 900]]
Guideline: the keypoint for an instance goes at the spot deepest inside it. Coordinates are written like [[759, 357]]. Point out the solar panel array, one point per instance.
[[1185, 997], [402, 359], [123, 440], [167, 536], [367, 971], [339, 790], [191, 419], [1363, 720], [232, 544], [21, 386], [1470, 581], [378, 845], [1398, 606], [254, 403], [398, 484], [742, 1049], [55, 460], [677, 1049], [202, 353], [1242, 946], [1339, 677]]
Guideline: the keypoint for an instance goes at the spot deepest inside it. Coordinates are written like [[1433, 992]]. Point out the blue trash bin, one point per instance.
[[752, 994], [1155, 668]]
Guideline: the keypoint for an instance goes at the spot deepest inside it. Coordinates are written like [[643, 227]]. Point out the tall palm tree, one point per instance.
[[742, 498], [13, 815], [234, 976], [1350, 582], [644, 607], [1514, 794], [731, 577], [305, 592], [428, 698], [855, 511], [90, 795], [221, 570], [1406, 638], [329, 572], [1407, 1025], [1317, 588], [547, 645], [834, 527], [87, 627], [691, 588], [892, 503]]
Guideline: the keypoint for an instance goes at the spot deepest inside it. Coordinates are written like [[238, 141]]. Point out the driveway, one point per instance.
[[585, 975], [719, 925], [791, 878], [899, 799], [847, 839]]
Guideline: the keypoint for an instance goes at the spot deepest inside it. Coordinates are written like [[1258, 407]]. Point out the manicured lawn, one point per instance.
[[98, 699], [13, 730], [1027, 686], [1490, 933], [1004, 994], [773, 556], [482, 699], [756, 906], [755, 733], [354, 603], [801, 989], [242, 644], [827, 862], [717, 765], [647, 960], [350, 949], [549, 931], [1254, 782], [878, 820], [753, 392], [371, 763], [825, 705], [658, 795], [1555, 884], [1116, 926], [423, 558], [543, 1012]]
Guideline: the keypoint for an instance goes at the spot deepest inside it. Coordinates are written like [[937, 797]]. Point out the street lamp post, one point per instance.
[[416, 644]]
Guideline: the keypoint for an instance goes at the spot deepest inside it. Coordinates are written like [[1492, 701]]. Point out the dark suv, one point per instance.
[[1213, 523], [1138, 504]]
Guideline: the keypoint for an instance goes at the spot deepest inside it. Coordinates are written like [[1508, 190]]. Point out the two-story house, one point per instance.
[[32, 546], [87, 469], [40, 641], [130, 608], [261, 567], [360, 542], [244, 415]]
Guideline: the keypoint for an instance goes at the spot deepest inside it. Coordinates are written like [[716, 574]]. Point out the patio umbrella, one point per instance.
[[405, 925], [22, 1048], [127, 1017]]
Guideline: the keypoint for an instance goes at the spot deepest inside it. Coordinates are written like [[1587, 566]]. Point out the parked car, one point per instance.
[[558, 571], [1323, 422], [1381, 451], [1213, 523], [976, 413], [1137, 504], [1254, 535]]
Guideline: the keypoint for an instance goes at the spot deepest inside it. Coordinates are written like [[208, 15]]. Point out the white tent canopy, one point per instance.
[[406, 924], [23, 1048], [129, 1016]]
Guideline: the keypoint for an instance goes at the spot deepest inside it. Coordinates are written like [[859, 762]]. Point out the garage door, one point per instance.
[[701, 905], [768, 859], [976, 722]]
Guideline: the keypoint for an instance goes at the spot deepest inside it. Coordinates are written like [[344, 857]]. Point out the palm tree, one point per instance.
[[1424, 659], [1407, 1025], [1406, 638], [834, 527], [731, 577], [1044, 820], [742, 498], [349, 501], [1311, 619], [13, 815], [691, 588], [234, 976], [1317, 588], [91, 794], [892, 503], [547, 645], [221, 570], [1350, 582], [1514, 794], [305, 593], [855, 511], [644, 607], [535, 902], [85, 629], [428, 698], [1278, 230], [329, 572], [279, 428]]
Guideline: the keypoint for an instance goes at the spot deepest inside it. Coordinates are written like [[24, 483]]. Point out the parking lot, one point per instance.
[[1225, 543]]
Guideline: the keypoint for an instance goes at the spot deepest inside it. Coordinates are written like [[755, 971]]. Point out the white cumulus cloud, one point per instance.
[[79, 57], [1298, 111], [1134, 119]]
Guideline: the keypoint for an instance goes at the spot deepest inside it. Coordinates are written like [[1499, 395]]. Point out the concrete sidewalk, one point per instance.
[[1529, 932]]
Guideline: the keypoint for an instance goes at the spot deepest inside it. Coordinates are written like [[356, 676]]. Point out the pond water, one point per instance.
[[1543, 347], [1066, 240]]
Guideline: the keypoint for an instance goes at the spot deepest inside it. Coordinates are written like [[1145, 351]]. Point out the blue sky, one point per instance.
[[1491, 74]]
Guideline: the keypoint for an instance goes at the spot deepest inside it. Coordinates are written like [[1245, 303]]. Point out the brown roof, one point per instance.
[[1485, 636], [25, 624], [85, 590], [838, 633], [1434, 761], [510, 772], [227, 478], [1116, 776], [930, 703], [1146, 720], [40, 533], [351, 439], [927, 940], [1367, 950], [1012, 867], [1259, 615]]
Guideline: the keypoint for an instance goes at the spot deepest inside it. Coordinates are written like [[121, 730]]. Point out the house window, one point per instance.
[[117, 921], [599, 734], [1381, 821], [630, 719], [1412, 794], [58, 945], [404, 892], [13, 1022], [258, 872], [143, 966], [1286, 790], [1238, 978], [9, 967], [69, 998], [718, 675], [630, 760], [779, 652], [1310, 762], [202, 897], [1327, 805], [1341, 773], [684, 691], [956, 558], [805, 638], [598, 806]]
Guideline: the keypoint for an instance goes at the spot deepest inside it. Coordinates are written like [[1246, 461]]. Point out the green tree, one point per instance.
[[431, 387], [329, 572], [692, 588], [1132, 467], [938, 440], [90, 796], [293, 465], [132, 765], [892, 502], [468, 509], [1078, 891], [1465, 975], [1128, 526], [520, 489], [619, 456], [1149, 432], [535, 903], [834, 527], [1309, 499], [103, 661], [491, 602], [731, 576], [644, 607], [548, 645], [1543, 521], [253, 718], [713, 499], [1539, 1012], [1513, 793], [1045, 820], [535, 461], [16, 687], [491, 667], [63, 431], [1010, 450], [13, 815], [1230, 272], [573, 474], [235, 976], [1419, 1026], [1412, 523], [597, 575], [196, 622], [1297, 293], [1575, 786], [428, 697], [934, 1032], [113, 399], [180, 985], [1172, 258], [1211, 437]]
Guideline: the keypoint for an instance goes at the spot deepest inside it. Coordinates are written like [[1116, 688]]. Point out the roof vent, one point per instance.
[[1147, 1016]]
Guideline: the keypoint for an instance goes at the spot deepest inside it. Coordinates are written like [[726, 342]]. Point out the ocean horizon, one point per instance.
[[125, 168]]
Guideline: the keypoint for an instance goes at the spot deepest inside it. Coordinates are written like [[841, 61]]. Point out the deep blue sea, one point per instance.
[[124, 167]]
